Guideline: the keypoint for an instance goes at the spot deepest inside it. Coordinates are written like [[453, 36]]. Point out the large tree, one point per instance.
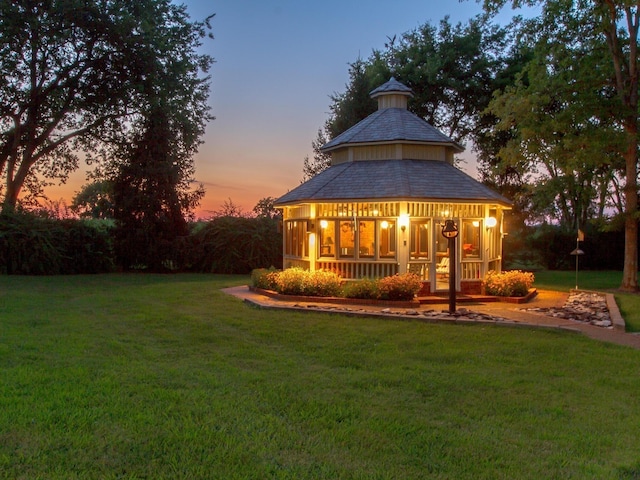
[[75, 75], [346, 109], [616, 21], [151, 195], [452, 70], [561, 137]]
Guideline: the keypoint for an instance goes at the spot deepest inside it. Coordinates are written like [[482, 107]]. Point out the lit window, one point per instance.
[[327, 238], [387, 234], [420, 239], [470, 239], [347, 239]]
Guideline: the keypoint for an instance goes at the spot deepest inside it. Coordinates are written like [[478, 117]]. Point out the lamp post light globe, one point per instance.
[[449, 229]]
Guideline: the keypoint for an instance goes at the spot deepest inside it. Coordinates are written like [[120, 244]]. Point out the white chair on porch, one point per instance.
[[442, 268]]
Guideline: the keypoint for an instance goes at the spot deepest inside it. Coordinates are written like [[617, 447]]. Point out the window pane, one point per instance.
[[327, 238], [297, 241], [387, 238], [420, 239], [347, 239], [366, 238], [288, 237], [470, 239], [442, 244]]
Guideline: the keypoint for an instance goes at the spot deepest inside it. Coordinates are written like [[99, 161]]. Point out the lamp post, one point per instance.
[[577, 252], [450, 232]]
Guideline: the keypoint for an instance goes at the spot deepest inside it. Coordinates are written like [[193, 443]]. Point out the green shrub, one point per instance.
[[297, 281], [400, 287], [364, 288], [324, 284], [235, 245], [513, 283], [265, 278], [292, 281], [37, 245]]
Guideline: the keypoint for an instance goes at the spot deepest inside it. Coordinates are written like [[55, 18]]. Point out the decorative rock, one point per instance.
[[586, 307]]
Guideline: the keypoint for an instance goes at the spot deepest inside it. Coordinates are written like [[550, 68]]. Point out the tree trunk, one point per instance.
[[10, 198], [630, 271]]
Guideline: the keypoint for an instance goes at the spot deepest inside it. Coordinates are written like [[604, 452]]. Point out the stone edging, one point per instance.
[[614, 313], [372, 302], [337, 300], [532, 293]]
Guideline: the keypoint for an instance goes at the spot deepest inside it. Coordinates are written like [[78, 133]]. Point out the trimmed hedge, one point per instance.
[[36, 245], [32, 245], [235, 245]]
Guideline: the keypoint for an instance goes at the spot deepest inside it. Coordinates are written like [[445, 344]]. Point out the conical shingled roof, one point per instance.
[[375, 180], [391, 125], [392, 179], [392, 86]]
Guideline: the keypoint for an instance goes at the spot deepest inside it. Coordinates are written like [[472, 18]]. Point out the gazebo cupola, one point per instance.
[[392, 94], [378, 209], [392, 133]]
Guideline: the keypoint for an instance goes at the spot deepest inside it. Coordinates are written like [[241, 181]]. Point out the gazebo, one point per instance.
[[379, 208]]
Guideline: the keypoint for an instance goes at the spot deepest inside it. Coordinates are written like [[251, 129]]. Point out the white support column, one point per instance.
[[404, 234], [313, 238]]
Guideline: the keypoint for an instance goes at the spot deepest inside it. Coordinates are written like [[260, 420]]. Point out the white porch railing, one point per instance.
[[471, 271], [296, 262], [354, 270]]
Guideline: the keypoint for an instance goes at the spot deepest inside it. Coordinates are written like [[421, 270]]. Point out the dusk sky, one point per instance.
[[277, 62]]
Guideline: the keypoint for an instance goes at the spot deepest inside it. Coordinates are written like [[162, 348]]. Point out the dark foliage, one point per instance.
[[236, 245], [31, 245], [550, 247], [77, 74], [151, 201]]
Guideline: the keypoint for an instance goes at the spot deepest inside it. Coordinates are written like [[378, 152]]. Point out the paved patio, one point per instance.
[[499, 313]]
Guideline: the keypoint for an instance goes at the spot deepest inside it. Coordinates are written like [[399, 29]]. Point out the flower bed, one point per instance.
[[321, 284]]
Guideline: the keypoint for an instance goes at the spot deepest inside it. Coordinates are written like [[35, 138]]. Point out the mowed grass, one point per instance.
[[604, 281], [146, 376]]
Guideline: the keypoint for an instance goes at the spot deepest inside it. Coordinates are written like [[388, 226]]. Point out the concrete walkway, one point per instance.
[[499, 313]]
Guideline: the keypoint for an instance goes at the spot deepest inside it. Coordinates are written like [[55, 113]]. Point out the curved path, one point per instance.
[[499, 312]]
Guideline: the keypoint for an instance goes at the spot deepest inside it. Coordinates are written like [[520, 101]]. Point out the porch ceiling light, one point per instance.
[[324, 224], [449, 229]]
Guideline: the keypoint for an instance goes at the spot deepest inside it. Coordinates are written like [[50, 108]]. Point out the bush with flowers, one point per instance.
[[513, 283], [365, 288], [400, 286], [323, 284], [297, 281], [264, 278]]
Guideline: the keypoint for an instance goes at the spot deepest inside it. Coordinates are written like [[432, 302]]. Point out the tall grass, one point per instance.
[[147, 376]]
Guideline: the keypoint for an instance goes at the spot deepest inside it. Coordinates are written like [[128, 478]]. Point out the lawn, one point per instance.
[[150, 376], [603, 281]]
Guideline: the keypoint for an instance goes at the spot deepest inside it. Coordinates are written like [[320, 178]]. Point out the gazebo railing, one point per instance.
[[471, 270], [354, 270]]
